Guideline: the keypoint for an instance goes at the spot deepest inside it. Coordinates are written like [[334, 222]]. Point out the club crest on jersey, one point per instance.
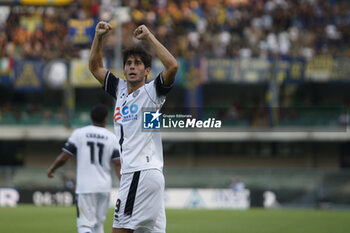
[[126, 113], [151, 119], [136, 93]]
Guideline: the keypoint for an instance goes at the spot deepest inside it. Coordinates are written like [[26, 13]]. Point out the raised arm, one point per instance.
[[95, 60], [168, 60]]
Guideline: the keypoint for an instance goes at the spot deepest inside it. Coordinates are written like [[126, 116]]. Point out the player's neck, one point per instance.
[[134, 86], [98, 124]]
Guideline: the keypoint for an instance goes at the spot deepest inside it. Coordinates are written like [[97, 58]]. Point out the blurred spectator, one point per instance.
[[204, 28], [237, 185], [209, 28], [232, 113], [260, 116]]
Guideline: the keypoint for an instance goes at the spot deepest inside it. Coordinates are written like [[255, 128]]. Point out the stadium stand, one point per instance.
[[276, 72]]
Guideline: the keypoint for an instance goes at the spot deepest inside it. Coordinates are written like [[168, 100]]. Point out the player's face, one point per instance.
[[135, 71]]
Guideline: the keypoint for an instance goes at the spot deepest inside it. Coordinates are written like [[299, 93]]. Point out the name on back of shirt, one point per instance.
[[97, 136]]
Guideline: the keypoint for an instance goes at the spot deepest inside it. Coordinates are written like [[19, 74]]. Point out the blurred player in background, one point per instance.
[[69, 181], [237, 184], [95, 147], [140, 204]]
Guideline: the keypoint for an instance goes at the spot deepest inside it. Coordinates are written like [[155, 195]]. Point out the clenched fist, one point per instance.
[[141, 32], [102, 28]]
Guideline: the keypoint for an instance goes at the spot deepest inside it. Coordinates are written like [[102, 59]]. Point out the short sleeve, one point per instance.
[[115, 155], [111, 84], [70, 146], [160, 88], [115, 147]]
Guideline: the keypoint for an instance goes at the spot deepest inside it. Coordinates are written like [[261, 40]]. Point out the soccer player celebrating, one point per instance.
[[140, 204], [95, 147]]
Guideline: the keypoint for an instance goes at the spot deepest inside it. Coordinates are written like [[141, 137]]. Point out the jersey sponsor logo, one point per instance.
[[126, 113], [151, 119]]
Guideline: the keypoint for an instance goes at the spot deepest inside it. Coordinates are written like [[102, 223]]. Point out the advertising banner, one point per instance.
[[319, 68], [28, 75], [45, 2], [254, 70], [8, 197], [31, 23], [341, 69], [207, 199], [220, 70], [9, 2], [288, 70], [175, 198], [81, 32], [36, 2], [201, 198], [39, 197], [295, 71], [6, 68]]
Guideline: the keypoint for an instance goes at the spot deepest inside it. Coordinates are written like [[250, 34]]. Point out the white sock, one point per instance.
[[99, 228]]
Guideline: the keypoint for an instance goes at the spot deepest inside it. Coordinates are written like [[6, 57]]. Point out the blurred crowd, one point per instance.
[[211, 28]]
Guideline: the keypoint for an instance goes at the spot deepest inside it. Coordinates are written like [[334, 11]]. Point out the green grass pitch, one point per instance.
[[31, 219]]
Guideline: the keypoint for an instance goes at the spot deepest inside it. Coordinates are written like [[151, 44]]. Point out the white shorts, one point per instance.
[[140, 204], [91, 208]]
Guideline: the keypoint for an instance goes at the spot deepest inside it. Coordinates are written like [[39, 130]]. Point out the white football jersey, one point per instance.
[[139, 149], [94, 148]]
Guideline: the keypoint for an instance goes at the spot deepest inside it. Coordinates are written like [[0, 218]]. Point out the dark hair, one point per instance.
[[98, 113], [138, 50]]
